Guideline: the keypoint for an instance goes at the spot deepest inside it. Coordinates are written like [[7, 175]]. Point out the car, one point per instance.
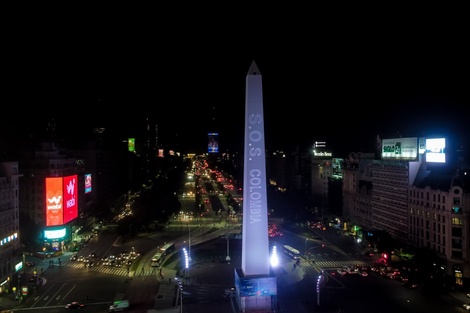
[[75, 305], [341, 272], [29, 264], [409, 284], [74, 257], [466, 306]]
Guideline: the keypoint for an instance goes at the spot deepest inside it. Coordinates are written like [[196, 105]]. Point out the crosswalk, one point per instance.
[[340, 264], [118, 271]]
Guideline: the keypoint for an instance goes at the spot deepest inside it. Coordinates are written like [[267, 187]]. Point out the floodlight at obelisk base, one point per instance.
[[256, 286]]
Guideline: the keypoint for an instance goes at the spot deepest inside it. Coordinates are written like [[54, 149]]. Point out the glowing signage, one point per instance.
[[436, 150], [213, 142], [61, 200], [54, 201], [322, 154], [70, 194], [400, 148], [55, 233], [131, 144], [8, 239], [87, 183], [18, 266]]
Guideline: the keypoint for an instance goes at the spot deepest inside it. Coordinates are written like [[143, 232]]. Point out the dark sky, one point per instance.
[[342, 78]]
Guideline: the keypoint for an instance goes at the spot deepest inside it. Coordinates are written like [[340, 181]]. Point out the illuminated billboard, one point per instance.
[[70, 198], [400, 148], [87, 183], [436, 150], [61, 200], [131, 144], [54, 200], [213, 143], [55, 233], [256, 286]]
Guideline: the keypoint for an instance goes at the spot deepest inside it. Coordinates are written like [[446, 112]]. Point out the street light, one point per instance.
[[186, 262], [189, 243], [227, 237], [228, 251]]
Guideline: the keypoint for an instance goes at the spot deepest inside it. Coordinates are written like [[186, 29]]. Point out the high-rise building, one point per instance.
[[10, 247], [47, 161], [420, 202]]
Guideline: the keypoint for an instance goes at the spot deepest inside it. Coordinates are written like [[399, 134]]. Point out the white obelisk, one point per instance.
[[255, 241]]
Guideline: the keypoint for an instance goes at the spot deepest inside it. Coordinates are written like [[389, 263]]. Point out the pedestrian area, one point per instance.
[[340, 264], [118, 271]]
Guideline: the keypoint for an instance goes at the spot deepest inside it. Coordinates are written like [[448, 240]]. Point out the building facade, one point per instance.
[[47, 160], [418, 203], [10, 246]]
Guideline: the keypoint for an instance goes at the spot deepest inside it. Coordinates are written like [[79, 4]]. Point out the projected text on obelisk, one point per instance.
[[255, 242]]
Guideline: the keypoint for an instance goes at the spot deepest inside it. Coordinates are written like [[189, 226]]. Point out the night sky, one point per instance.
[[343, 79]]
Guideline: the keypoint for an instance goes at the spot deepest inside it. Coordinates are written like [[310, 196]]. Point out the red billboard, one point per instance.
[[70, 198], [61, 200]]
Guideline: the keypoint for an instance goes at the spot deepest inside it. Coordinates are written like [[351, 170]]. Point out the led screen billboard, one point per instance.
[[87, 183], [54, 201], [400, 148], [131, 144], [436, 150], [70, 193], [61, 200], [55, 233], [213, 143]]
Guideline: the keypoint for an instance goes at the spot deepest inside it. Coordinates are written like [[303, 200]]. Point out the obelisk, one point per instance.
[[256, 286], [255, 240]]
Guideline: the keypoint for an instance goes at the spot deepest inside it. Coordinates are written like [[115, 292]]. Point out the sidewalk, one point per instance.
[[40, 265]]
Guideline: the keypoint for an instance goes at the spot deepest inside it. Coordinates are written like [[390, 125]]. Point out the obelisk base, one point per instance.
[[256, 294]]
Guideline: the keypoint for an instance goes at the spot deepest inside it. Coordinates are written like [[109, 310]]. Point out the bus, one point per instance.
[[159, 257], [291, 252], [156, 259], [167, 249]]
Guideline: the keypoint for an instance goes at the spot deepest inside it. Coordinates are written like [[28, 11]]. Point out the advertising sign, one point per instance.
[[436, 150], [131, 144], [87, 183], [70, 194], [213, 143], [54, 201], [55, 233], [258, 286], [400, 148]]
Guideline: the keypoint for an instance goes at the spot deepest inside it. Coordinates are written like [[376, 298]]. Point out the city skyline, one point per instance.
[[345, 85]]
